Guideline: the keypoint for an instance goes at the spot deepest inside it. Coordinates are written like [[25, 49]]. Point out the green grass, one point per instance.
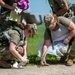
[[33, 44], [35, 41]]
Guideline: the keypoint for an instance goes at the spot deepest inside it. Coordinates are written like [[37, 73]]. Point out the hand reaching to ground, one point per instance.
[[24, 61]]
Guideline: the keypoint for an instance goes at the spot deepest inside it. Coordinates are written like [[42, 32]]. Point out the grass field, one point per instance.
[[35, 41], [33, 44]]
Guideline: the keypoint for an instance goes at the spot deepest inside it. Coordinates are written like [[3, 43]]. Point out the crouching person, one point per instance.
[[18, 44], [58, 37]]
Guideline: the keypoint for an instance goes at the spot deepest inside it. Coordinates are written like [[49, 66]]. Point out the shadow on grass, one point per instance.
[[34, 59]]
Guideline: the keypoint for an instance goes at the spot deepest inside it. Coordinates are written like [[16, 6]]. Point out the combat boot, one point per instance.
[[69, 62]]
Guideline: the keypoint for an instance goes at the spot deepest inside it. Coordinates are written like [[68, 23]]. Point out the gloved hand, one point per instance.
[[18, 10], [24, 61]]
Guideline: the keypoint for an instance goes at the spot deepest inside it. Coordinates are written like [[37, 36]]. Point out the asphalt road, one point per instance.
[[54, 69]]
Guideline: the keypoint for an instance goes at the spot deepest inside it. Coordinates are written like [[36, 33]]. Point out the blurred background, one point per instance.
[[37, 9]]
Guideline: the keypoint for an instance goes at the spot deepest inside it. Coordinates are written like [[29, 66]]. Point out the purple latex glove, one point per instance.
[[23, 4]]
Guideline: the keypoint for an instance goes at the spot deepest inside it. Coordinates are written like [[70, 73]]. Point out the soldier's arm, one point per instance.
[[25, 49], [72, 30], [2, 3], [14, 52], [63, 9], [46, 44]]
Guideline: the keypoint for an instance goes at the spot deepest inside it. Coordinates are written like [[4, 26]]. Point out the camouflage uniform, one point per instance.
[[66, 22], [15, 36], [56, 5], [6, 57]]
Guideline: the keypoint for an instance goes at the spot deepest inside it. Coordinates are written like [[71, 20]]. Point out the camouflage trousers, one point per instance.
[[72, 49], [6, 55], [7, 59]]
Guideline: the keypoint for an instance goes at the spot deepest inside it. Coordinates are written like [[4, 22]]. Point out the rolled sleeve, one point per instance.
[[15, 36]]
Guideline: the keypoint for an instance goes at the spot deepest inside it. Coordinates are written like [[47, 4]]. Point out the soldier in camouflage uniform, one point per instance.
[[61, 7], [14, 43], [9, 28], [59, 28]]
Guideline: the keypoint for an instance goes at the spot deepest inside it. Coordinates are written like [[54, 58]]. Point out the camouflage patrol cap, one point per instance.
[[32, 28], [48, 19]]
